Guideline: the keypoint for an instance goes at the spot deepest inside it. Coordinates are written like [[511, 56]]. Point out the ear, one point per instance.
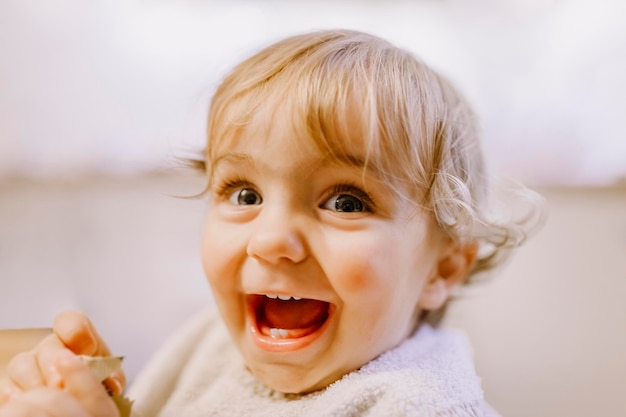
[[450, 272]]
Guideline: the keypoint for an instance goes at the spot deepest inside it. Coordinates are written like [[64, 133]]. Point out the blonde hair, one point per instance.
[[418, 129]]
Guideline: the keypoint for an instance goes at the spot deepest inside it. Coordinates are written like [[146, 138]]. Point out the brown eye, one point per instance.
[[246, 197], [347, 198], [345, 203]]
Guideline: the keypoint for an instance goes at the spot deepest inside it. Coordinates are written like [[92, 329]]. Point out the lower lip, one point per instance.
[[270, 344]]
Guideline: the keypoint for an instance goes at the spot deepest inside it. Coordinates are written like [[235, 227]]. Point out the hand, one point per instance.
[[73, 333], [83, 395]]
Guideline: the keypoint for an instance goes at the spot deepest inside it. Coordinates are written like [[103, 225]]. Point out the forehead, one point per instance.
[[282, 125]]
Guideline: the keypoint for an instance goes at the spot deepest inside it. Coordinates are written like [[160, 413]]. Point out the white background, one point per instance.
[[122, 85]]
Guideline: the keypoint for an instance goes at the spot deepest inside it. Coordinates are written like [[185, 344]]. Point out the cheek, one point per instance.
[[221, 259], [377, 277], [211, 250], [357, 265], [222, 249], [378, 298]]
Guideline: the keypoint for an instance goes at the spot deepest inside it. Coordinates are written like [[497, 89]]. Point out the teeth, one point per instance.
[[278, 333], [282, 297]]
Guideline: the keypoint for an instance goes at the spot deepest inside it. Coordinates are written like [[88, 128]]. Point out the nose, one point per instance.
[[277, 236]]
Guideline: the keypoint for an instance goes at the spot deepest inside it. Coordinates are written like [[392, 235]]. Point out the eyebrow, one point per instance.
[[346, 160], [234, 158]]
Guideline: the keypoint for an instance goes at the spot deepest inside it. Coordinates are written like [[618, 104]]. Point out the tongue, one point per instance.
[[292, 314]]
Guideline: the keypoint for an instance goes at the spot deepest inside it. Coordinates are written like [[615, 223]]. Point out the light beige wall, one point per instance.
[[549, 331]]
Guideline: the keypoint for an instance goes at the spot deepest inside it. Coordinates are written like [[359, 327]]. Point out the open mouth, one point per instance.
[[281, 320]]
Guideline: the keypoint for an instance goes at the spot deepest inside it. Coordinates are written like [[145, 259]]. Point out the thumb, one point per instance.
[[82, 384], [79, 335], [77, 332]]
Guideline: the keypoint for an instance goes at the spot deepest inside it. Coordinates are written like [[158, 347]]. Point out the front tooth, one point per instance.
[[297, 298], [272, 296], [278, 333], [284, 297]]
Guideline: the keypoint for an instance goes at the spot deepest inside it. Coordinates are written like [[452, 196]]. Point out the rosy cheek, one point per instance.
[[360, 266]]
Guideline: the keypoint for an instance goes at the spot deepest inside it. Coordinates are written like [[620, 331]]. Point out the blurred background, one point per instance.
[[99, 98]]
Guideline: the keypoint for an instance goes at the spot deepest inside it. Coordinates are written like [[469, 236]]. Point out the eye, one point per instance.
[[348, 199], [344, 203], [245, 197]]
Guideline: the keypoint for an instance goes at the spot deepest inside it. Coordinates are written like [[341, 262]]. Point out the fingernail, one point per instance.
[[91, 341], [114, 386]]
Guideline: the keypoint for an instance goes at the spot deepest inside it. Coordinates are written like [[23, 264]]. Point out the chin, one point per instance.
[[290, 382]]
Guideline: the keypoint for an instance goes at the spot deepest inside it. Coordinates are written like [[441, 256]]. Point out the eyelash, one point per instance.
[[224, 188]]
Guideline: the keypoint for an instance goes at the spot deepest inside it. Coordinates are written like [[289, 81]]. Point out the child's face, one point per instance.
[[285, 221]]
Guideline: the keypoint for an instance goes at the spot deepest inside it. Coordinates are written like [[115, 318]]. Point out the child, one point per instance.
[[348, 201]]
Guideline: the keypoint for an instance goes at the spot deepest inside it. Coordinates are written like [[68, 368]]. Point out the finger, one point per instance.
[[8, 391], [19, 409], [81, 383], [116, 382], [46, 353], [77, 332], [43, 401], [23, 371]]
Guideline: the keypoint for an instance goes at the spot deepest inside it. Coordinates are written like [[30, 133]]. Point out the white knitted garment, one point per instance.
[[200, 373]]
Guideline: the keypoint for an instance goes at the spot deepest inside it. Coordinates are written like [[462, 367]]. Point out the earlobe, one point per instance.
[[451, 271], [434, 294]]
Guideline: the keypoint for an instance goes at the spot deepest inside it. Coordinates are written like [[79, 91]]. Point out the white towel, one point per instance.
[[200, 373]]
